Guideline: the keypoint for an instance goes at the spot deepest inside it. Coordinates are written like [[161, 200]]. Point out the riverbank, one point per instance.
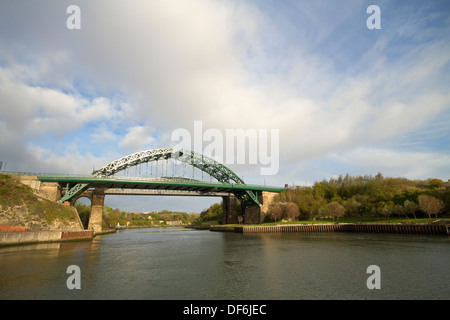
[[418, 229]]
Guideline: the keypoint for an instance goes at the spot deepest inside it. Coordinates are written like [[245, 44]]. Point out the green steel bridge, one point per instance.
[[227, 181], [254, 199], [76, 184]]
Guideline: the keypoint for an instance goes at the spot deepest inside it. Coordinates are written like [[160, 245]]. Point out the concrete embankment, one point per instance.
[[368, 228], [29, 237]]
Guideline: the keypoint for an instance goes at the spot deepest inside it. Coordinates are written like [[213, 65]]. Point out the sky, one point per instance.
[[344, 98]]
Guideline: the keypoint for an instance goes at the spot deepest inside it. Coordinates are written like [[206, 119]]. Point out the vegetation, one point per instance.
[[284, 210], [212, 215], [365, 197]]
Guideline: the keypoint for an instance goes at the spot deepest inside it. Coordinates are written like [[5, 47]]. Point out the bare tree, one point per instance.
[[430, 205], [276, 212]]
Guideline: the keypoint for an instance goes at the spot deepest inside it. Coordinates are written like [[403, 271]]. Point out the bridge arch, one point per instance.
[[208, 165]]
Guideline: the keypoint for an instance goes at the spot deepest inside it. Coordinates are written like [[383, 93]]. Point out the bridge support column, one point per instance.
[[255, 214], [252, 214], [96, 216], [229, 205]]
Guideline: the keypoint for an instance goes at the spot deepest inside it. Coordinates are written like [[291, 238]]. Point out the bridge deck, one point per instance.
[[164, 183]]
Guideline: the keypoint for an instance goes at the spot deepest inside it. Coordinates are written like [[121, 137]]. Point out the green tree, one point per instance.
[[352, 207], [411, 208], [387, 209], [335, 210], [436, 183], [213, 213], [84, 212]]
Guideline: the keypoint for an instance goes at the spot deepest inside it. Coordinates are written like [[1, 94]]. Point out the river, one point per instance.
[[178, 263]]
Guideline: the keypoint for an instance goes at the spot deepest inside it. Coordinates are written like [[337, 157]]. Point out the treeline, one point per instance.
[[363, 196], [112, 217]]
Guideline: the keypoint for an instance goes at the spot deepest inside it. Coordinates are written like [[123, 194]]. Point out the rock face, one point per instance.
[[21, 207]]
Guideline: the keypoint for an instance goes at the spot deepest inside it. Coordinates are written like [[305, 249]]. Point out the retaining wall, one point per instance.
[[28, 237], [370, 228]]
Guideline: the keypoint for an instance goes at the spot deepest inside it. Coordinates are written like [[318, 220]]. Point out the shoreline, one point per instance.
[[13, 238], [418, 229]]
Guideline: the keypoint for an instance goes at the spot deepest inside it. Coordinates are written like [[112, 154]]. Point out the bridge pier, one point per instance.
[[229, 205], [253, 214], [96, 215]]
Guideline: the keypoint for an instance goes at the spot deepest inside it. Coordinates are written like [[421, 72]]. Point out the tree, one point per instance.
[[430, 205], [352, 207], [387, 210], [335, 209], [276, 212], [84, 212], [291, 211], [410, 208], [400, 211], [322, 213], [213, 213], [436, 183]]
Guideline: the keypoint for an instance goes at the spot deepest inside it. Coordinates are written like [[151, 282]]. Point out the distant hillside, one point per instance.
[[19, 206]]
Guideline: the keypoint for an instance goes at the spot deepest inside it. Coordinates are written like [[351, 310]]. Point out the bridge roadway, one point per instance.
[[167, 185]]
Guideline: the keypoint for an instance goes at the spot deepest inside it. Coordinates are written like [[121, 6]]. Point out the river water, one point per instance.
[[177, 263]]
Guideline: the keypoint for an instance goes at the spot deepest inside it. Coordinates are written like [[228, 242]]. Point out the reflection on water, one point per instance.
[[177, 263]]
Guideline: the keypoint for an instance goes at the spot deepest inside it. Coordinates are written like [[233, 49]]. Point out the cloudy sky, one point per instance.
[[345, 99]]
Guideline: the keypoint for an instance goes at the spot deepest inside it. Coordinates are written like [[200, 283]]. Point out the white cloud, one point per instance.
[[136, 138], [41, 109], [102, 134], [229, 64], [395, 163], [71, 161]]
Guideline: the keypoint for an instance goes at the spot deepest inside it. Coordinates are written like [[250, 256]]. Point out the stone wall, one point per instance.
[[347, 227], [47, 190], [29, 237]]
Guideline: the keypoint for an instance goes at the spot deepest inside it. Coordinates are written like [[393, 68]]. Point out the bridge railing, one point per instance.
[[23, 173]]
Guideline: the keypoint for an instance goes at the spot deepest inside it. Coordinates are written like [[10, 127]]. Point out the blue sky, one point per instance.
[[346, 99]]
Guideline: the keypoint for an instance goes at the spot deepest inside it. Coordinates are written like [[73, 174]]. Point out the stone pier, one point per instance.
[[253, 214], [230, 212], [96, 216]]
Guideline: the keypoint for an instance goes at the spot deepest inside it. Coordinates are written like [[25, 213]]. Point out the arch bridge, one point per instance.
[[254, 199]]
